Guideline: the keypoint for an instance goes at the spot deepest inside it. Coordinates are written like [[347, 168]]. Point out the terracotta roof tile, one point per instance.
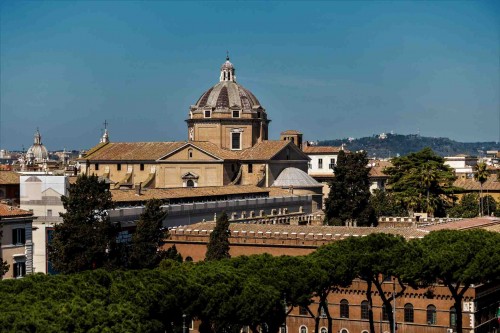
[[215, 150], [377, 170], [491, 184], [9, 211], [131, 151], [184, 192], [264, 150], [321, 149], [9, 177]]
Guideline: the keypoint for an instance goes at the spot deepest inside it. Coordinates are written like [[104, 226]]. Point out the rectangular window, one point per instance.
[[236, 114], [235, 140], [19, 269], [303, 311], [96, 166], [49, 212], [18, 236], [118, 167], [250, 168], [142, 167], [332, 163], [320, 163], [208, 114]]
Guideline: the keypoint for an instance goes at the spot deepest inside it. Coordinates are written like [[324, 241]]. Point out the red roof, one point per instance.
[[10, 211]]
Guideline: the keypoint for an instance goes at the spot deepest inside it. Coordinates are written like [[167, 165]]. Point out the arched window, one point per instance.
[[344, 330], [364, 310], [408, 313], [453, 317], [344, 309], [323, 330], [190, 183], [303, 329], [431, 315]]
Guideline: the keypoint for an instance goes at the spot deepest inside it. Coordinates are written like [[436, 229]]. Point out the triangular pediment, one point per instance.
[[290, 152], [190, 152], [190, 175]]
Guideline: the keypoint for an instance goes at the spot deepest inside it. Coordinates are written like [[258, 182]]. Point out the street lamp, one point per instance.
[[183, 323]]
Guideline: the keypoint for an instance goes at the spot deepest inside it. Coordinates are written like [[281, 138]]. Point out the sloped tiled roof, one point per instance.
[[264, 150], [378, 169], [213, 149], [321, 149], [9, 178], [9, 211], [184, 192], [470, 184], [132, 151]]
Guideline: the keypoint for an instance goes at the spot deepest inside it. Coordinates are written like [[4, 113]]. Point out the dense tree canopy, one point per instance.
[[422, 182], [349, 195], [227, 294], [459, 259], [86, 239], [218, 245]]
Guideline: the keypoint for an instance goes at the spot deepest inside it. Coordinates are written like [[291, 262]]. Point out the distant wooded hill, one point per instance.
[[394, 144]]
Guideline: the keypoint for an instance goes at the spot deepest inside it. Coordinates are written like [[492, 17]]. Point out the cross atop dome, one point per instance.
[[227, 71]]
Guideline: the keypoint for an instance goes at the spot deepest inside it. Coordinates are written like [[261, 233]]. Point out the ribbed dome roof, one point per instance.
[[227, 94], [296, 178]]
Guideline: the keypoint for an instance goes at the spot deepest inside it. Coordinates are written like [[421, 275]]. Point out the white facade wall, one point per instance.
[[41, 194], [326, 161]]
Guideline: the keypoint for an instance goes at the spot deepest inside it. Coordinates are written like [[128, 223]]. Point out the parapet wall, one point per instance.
[[397, 222]]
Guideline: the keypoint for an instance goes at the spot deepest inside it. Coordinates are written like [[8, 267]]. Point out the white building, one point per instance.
[[41, 194], [463, 165]]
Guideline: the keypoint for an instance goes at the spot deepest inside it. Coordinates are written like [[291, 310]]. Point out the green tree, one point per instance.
[[350, 192], [148, 237], [375, 258], [4, 267], [481, 175], [490, 205], [468, 207], [459, 259], [172, 254], [384, 204], [86, 239], [218, 245], [330, 269], [422, 182]]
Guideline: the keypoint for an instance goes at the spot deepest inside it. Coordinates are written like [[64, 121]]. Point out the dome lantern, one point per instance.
[[227, 71]]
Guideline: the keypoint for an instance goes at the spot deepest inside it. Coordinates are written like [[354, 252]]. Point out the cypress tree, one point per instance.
[[218, 246]]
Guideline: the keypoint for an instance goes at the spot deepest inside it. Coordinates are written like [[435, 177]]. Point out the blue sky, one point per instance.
[[330, 69]]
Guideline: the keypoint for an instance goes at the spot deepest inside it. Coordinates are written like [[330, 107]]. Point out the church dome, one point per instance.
[[296, 178], [227, 94], [37, 151]]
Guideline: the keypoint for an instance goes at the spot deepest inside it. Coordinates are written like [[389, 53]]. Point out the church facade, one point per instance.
[[227, 145]]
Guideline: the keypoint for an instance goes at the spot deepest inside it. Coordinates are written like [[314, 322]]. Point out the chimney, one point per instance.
[[138, 189]]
